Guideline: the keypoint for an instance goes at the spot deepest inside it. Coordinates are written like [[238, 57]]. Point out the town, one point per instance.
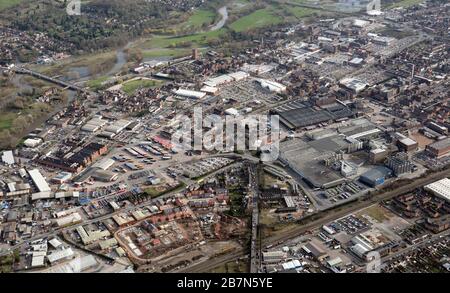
[[91, 181]]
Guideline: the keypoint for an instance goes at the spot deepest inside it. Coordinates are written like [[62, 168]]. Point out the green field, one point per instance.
[[131, 86], [405, 3], [199, 19], [300, 12], [174, 53], [259, 18], [6, 120], [8, 3], [97, 83]]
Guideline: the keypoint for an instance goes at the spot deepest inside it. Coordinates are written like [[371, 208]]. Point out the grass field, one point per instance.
[[405, 3], [199, 19], [259, 18], [300, 12], [8, 3], [97, 83], [132, 86], [173, 53], [6, 120], [376, 212]]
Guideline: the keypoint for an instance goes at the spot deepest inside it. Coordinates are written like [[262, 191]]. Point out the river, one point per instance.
[[223, 11]]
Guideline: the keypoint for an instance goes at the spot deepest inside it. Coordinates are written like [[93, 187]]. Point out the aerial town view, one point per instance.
[[224, 136]]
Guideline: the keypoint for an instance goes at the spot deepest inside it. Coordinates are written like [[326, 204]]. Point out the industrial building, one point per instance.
[[376, 176], [439, 148], [298, 114], [440, 189], [8, 158], [399, 164], [189, 94], [39, 180]]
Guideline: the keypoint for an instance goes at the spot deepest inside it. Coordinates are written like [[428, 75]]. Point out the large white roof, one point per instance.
[[8, 158], [39, 180], [440, 188]]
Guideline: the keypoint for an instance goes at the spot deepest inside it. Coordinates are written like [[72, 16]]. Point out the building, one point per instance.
[[32, 142], [62, 177], [439, 148], [440, 189], [59, 255], [437, 225], [318, 253], [272, 85], [376, 176], [354, 85], [274, 256], [189, 94], [348, 169], [407, 145], [39, 180], [361, 246], [377, 155], [399, 164], [8, 158]]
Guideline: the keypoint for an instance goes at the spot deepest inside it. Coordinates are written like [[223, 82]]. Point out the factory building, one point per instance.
[[439, 148], [376, 176], [399, 164], [189, 94], [440, 189], [377, 155], [39, 180], [407, 145], [8, 158]]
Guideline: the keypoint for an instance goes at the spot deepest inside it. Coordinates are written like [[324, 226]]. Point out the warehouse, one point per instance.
[[8, 158], [104, 164], [440, 189], [306, 159], [93, 125], [32, 142], [39, 180], [117, 126], [376, 176], [189, 94], [439, 148], [60, 255], [407, 144], [104, 176], [352, 84], [272, 85]]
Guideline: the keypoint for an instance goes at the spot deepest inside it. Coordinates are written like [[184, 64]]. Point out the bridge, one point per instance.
[[64, 84]]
